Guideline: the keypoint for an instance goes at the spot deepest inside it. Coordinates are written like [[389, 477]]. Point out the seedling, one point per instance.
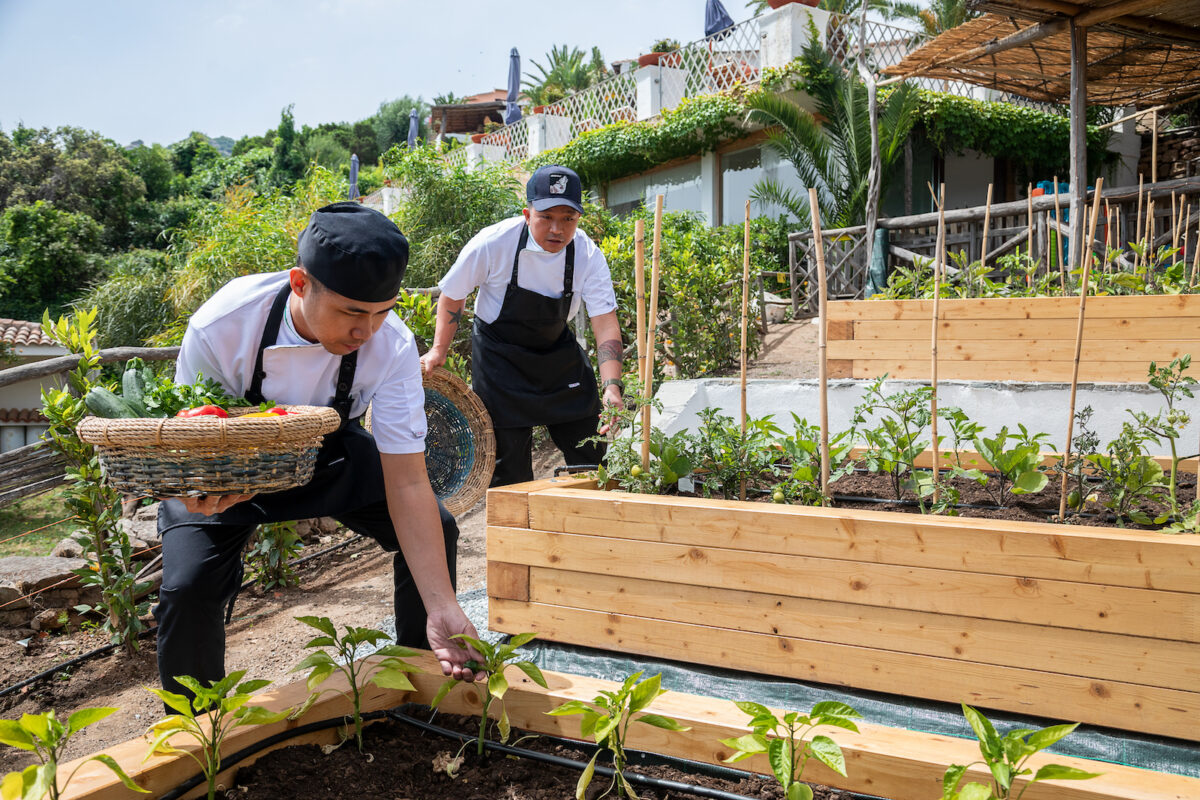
[[783, 742], [1005, 758], [213, 713], [1086, 442], [1017, 469], [1173, 385], [803, 451], [46, 737], [496, 658], [607, 719], [387, 673], [1127, 476], [894, 444]]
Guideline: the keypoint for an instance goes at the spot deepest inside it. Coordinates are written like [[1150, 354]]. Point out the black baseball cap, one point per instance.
[[554, 186], [354, 251]]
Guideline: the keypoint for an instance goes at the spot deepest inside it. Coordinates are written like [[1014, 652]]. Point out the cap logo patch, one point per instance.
[[558, 184]]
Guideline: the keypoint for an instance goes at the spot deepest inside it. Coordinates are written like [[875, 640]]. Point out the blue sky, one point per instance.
[[157, 69]]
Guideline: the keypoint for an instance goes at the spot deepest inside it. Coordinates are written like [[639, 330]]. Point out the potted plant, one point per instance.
[[657, 50]]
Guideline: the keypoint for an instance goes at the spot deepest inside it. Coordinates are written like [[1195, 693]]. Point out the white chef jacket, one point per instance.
[[486, 263], [222, 340]]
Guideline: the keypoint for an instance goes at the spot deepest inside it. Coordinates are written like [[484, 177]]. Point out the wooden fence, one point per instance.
[[847, 253], [1020, 339]]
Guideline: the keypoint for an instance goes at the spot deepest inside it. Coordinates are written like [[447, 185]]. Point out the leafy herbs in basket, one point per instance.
[[144, 394]]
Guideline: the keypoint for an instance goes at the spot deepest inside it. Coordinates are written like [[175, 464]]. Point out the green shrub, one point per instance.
[[131, 302]]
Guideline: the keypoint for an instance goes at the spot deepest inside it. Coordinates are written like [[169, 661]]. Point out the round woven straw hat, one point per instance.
[[460, 447]]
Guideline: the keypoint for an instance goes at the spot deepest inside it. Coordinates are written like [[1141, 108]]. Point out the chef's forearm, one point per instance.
[[449, 314], [609, 350], [418, 525]]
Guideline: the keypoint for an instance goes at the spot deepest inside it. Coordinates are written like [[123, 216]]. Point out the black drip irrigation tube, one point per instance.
[[397, 715], [108, 648]]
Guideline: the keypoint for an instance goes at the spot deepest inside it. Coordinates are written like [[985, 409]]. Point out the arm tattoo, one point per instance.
[[455, 316], [610, 350]]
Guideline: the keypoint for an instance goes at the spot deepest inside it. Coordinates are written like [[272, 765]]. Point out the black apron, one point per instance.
[[348, 474], [526, 365]]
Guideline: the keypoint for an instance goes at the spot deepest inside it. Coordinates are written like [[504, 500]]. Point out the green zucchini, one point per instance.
[[103, 403], [133, 387]]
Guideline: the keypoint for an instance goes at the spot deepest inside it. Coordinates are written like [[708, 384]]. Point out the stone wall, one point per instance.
[[1178, 154]]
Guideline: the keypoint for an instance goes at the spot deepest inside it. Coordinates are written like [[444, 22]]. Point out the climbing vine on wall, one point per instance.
[[626, 148]]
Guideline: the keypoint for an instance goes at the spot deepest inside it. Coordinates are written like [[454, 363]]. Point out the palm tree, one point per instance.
[[938, 17], [566, 72], [831, 149]]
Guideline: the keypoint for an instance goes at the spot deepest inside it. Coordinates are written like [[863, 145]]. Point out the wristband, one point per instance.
[[613, 382]]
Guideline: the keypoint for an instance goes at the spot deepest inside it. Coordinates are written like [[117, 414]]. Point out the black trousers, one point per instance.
[[514, 449], [202, 565]]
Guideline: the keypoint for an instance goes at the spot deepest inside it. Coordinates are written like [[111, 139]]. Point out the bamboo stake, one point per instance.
[[822, 324], [639, 275], [938, 267], [1028, 231], [1148, 238], [1196, 262], [1107, 239], [1083, 290], [1058, 241], [1137, 231], [745, 312], [987, 221], [651, 325], [1174, 223]]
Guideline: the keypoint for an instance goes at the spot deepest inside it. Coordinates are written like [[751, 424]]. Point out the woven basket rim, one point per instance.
[[232, 432]]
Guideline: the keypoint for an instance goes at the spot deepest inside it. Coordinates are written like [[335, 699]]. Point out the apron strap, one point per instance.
[[269, 335], [568, 272], [342, 401]]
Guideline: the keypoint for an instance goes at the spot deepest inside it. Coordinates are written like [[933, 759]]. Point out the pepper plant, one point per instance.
[[782, 741], [607, 719], [1173, 385], [390, 672], [1127, 476], [496, 659], [46, 737], [209, 717], [96, 507], [802, 451], [1005, 757], [894, 444], [729, 456]]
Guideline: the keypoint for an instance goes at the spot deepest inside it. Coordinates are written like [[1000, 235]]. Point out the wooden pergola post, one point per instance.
[[1078, 188]]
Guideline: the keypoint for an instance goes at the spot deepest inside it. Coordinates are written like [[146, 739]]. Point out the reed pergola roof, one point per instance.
[[1139, 52]]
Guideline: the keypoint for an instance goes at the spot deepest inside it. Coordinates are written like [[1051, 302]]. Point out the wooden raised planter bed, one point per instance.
[[1018, 339], [897, 764], [1073, 623]]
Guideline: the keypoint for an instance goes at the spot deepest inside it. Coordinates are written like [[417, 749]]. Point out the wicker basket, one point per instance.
[[460, 447], [173, 456]]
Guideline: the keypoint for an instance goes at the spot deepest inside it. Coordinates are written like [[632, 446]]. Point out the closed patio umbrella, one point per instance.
[[512, 111], [353, 176], [414, 126], [716, 18]]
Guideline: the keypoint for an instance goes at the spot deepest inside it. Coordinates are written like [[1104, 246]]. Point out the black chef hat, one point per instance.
[[354, 251]]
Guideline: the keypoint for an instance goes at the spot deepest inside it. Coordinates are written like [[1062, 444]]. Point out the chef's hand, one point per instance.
[[209, 504], [613, 401], [432, 359], [453, 654]]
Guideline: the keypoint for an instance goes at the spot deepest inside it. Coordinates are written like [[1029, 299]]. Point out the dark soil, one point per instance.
[[875, 492], [405, 765]]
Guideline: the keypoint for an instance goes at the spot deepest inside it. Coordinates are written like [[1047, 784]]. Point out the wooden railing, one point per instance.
[[848, 256]]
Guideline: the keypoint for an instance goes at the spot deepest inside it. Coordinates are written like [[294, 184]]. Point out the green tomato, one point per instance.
[[778, 496], [636, 472], [1073, 500]]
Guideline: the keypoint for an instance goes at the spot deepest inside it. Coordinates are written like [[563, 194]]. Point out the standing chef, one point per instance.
[[322, 333], [532, 272]]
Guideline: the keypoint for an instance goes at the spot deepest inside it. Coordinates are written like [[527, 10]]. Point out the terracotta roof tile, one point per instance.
[[19, 415], [19, 333]]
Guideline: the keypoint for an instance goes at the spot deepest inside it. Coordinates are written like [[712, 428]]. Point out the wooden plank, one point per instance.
[[1155, 614], [1138, 351], [843, 329], [1024, 370], [971, 458], [1017, 329], [1131, 306], [837, 368], [1077, 553], [1128, 659], [1149, 710], [509, 581], [509, 506], [905, 765]]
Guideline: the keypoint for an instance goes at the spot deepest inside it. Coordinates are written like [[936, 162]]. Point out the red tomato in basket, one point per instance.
[[203, 411]]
